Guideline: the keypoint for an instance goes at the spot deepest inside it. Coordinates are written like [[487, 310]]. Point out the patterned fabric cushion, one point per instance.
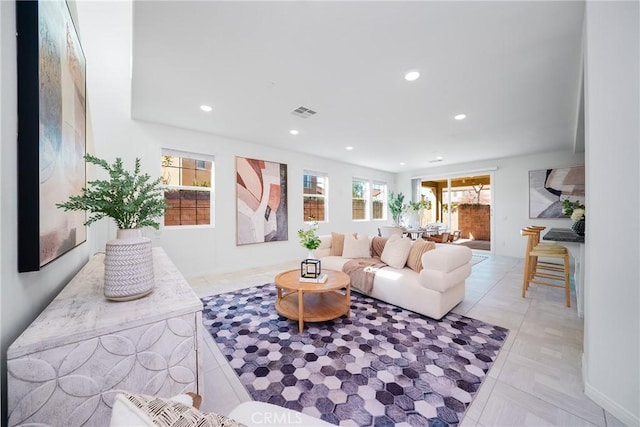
[[169, 413], [419, 247], [359, 247], [377, 245], [337, 244], [396, 251]]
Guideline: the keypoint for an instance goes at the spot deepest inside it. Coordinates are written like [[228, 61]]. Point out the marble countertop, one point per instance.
[[563, 235], [80, 311]]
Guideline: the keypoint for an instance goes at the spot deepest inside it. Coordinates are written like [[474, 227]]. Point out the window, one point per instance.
[[378, 200], [359, 199], [314, 196], [187, 179]]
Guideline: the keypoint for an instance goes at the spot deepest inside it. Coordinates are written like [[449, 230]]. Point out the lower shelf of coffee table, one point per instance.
[[317, 307]]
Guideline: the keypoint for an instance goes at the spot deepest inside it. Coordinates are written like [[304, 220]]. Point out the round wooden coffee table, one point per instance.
[[312, 302]]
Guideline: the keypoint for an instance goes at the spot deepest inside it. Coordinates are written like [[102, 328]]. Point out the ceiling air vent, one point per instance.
[[303, 112]]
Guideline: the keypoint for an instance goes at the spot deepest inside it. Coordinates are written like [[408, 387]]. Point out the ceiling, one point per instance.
[[514, 68]]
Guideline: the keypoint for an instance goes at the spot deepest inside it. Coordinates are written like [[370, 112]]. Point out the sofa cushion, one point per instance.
[[443, 281], [337, 244], [356, 247], [396, 251], [377, 246], [141, 410], [325, 246], [333, 262], [419, 247], [446, 258], [325, 241]]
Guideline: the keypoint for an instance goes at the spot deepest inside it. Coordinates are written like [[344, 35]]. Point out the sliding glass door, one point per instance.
[[459, 205]]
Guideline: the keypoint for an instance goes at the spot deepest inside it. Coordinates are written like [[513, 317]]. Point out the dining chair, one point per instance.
[[439, 238]]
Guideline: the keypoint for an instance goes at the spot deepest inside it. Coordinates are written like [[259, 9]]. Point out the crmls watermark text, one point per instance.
[[276, 418]]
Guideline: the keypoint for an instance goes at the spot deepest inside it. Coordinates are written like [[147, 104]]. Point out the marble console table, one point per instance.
[[68, 365], [575, 244]]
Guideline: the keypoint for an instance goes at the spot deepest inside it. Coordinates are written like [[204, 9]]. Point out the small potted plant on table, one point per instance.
[[309, 239], [133, 201]]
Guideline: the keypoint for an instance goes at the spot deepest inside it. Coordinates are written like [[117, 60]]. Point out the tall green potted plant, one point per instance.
[[133, 200], [396, 207]]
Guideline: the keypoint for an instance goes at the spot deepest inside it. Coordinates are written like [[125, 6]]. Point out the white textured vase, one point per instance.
[[128, 266]]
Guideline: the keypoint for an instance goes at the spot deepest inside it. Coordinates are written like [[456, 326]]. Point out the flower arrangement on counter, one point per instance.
[[575, 210], [577, 215]]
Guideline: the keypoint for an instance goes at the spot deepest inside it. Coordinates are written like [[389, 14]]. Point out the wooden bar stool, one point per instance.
[[536, 272], [545, 265]]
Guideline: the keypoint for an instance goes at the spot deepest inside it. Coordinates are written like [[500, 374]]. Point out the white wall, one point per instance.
[[23, 296], [612, 324], [221, 252], [510, 188], [106, 40]]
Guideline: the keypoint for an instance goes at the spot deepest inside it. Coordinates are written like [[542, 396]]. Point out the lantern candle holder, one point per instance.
[[310, 268]]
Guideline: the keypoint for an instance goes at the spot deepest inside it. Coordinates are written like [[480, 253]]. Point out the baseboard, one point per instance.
[[605, 402]]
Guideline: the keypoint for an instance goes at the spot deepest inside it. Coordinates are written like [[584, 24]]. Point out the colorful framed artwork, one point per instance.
[[51, 132], [548, 188], [261, 201]]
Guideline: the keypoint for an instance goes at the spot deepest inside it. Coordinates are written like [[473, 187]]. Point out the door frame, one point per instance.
[[461, 174]]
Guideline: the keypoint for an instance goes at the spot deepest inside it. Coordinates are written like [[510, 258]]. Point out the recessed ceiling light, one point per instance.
[[349, 147], [206, 108], [460, 116], [401, 163], [412, 75], [293, 132], [439, 158]]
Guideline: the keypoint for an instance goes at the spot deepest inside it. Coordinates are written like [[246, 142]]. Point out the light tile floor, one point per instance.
[[535, 381]]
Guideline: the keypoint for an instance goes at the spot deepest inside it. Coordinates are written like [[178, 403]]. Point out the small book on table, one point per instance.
[[320, 279]]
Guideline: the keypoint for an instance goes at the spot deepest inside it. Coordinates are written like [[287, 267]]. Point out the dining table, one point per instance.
[[414, 233]]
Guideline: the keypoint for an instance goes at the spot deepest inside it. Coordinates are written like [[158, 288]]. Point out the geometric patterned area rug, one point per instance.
[[382, 366]]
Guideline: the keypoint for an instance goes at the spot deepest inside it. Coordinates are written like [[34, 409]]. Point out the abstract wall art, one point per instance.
[[548, 188], [261, 200], [51, 131]]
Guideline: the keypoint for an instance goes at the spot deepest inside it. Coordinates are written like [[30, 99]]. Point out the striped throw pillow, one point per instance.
[[168, 413], [419, 247], [377, 246]]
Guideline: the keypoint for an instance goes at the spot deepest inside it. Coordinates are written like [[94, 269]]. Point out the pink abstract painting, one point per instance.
[[261, 199]]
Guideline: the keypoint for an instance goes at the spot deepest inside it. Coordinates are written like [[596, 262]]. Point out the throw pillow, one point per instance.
[[138, 409], [337, 244], [377, 246], [356, 247], [419, 247], [396, 251]]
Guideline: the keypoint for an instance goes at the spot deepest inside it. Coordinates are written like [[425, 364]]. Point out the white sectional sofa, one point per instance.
[[433, 292]]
